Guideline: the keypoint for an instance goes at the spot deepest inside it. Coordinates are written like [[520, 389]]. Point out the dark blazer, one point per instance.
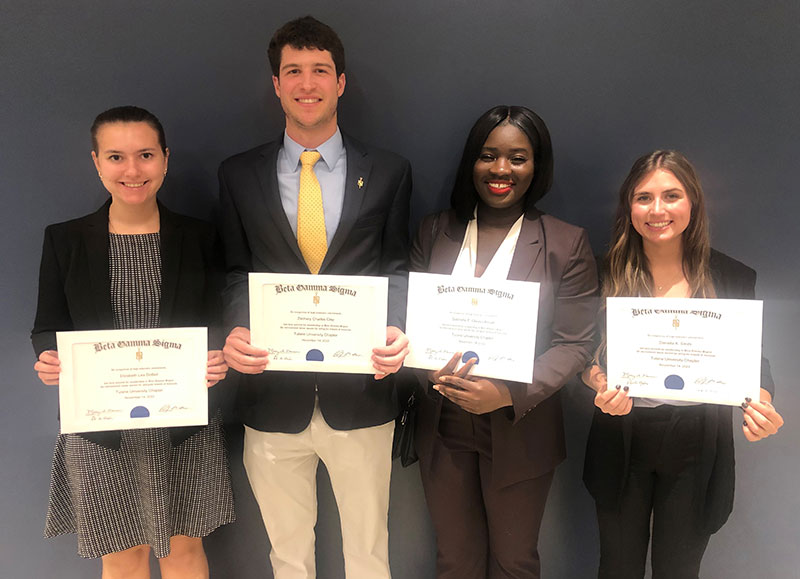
[[608, 448], [75, 289], [528, 439], [371, 239]]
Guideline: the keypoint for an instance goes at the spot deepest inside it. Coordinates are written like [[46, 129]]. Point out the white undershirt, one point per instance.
[[500, 263]]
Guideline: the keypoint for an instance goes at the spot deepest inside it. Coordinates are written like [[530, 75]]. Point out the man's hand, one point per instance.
[[241, 355], [389, 358]]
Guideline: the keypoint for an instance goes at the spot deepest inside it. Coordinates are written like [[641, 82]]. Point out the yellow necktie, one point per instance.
[[311, 235]]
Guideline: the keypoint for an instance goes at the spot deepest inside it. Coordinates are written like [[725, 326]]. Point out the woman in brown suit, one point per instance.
[[489, 448]]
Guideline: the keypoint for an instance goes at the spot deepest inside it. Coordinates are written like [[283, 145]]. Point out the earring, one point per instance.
[[99, 174], [165, 172]]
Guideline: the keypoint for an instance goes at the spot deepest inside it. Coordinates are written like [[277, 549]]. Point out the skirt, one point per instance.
[[143, 493]]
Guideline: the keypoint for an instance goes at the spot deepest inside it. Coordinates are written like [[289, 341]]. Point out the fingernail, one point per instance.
[[435, 387], [745, 404], [618, 386], [748, 399], [625, 389]]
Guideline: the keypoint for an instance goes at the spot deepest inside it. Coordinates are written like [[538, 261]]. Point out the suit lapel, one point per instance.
[[445, 253], [356, 185], [95, 238], [529, 246], [171, 242], [269, 203], [526, 253]]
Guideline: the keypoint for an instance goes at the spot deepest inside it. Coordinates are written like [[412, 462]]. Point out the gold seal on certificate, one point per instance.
[[318, 323], [493, 321], [124, 379], [696, 350]]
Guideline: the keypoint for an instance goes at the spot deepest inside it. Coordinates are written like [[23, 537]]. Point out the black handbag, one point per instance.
[[403, 443]]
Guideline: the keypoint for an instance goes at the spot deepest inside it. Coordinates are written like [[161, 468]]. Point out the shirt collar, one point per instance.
[[329, 151]]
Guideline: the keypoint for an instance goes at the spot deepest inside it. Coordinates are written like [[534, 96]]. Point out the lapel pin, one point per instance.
[[360, 182]]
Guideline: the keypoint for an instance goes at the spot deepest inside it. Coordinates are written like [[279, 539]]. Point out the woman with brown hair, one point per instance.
[[661, 459], [134, 264]]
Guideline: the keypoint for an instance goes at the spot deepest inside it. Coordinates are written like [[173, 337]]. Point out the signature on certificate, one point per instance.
[[284, 354], [435, 354], [345, 354], [705, 380], [636, 379], [103, 414], [171, 408]]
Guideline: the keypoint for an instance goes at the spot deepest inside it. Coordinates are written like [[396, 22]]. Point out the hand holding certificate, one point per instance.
[[493, 321], [685, 349], [123, 379], [318, 323]]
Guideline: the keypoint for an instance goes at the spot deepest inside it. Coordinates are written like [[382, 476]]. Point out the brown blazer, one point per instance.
[[528, 438]]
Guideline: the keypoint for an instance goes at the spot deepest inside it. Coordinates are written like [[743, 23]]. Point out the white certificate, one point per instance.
[[124, 379], [700, 350], [318, 323], [493, 321]]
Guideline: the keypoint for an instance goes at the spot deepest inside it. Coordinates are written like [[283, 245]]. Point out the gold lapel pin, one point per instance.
[[360, 182]]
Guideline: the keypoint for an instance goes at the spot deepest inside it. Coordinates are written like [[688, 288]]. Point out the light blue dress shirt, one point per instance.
[[331, 172]]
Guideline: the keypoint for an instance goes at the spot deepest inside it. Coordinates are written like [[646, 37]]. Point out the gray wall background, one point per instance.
[[717, 80]]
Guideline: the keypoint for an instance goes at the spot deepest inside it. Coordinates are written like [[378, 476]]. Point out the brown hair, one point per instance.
[[627, 269], [128, 114], [305, 32]]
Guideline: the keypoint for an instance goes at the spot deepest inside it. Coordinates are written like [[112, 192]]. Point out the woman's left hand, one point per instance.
[[760, 418], [216, 367], [473, 394]]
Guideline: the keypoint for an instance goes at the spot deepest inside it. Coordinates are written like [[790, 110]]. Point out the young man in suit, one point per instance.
[[272, 224]]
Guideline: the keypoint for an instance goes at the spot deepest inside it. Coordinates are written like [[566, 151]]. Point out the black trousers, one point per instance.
[[481, 531], [660, 491]]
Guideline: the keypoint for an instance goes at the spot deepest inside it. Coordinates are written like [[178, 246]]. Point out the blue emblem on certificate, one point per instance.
[[140, 412], [673, 382], [315, 356], [468, 355]]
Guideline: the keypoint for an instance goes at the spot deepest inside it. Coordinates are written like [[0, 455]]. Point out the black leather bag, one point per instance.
[[403, 443]]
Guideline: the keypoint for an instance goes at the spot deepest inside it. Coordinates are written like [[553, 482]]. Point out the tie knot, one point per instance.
[[309, 158]]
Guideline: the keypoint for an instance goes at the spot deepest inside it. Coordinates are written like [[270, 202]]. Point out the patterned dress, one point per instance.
[[148, 490]]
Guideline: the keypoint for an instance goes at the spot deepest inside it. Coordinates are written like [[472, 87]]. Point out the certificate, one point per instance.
[[124, 379], [318, 323], [493, 321], [699, 350]]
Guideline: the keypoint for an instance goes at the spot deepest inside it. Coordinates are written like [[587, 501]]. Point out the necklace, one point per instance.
[[670, 282]]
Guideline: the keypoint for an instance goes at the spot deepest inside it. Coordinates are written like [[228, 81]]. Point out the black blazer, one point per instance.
[[371, 239], [527, 439], [75, 289], [608, 448]]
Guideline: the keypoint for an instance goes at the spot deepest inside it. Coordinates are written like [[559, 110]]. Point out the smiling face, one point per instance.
[[660, 208], [309, 90], [130, 162], [504, 168]]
